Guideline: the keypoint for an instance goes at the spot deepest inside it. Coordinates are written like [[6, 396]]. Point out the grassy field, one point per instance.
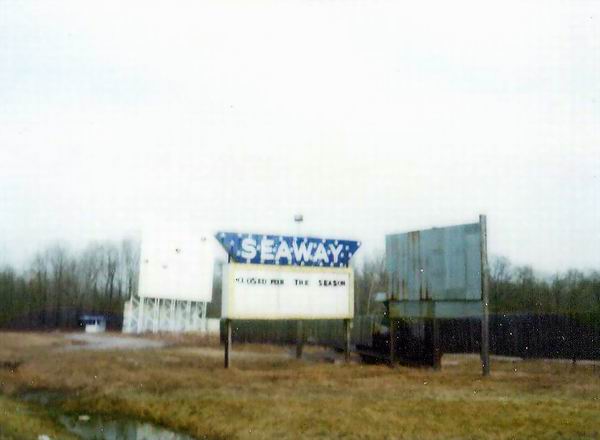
[[269, 395]]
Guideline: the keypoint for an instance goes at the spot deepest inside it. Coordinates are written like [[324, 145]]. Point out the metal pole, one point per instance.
[[347, 326], [392, 342], [227, 342], [299, 339], [485, 290]]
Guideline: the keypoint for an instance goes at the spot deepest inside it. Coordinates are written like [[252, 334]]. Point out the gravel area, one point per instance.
[[106, 341]]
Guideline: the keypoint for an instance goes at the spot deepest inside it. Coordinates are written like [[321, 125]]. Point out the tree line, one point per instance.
[[59, 285], [513, 289], [518, 289]]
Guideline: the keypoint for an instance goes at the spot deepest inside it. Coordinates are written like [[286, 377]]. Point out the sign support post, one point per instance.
[[485, 342], [227, 342], [299, 339], [347, 327]]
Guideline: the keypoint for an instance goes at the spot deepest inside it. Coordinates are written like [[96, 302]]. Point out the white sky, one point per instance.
[[369, 117]]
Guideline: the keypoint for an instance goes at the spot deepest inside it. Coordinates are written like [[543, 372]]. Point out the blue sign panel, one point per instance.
[[296, 251]]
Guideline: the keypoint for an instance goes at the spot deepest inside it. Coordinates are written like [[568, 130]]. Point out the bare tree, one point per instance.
[[376, 269], [500, 269], [370, 278], [90, 269], [110, 266], [57, 259], [130, 261], [39, 286]]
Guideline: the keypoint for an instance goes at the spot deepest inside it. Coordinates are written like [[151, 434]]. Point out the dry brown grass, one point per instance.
[[17, 346], [19, 420], [277, 397]]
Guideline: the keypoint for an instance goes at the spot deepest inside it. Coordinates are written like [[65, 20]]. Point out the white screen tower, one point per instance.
[[175, 280]]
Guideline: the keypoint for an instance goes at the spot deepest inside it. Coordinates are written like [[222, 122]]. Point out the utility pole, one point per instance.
[[485, 297]]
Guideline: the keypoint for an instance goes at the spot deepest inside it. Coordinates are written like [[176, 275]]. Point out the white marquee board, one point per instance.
[[176, 263], [254, 291]]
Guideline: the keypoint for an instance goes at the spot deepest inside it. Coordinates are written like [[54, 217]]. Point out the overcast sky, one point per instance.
[[369, 117]]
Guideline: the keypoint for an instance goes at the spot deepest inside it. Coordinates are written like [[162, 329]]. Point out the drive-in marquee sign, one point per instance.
[[287, 250], [257, 291], [285, 277]]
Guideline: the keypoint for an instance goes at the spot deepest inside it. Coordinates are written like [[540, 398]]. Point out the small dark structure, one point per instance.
[[93, 323]]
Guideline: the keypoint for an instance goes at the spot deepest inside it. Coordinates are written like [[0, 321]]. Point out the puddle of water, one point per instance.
[[100, 428], [96, 427]]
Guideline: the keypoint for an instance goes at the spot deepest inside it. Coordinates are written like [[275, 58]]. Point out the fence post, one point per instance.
[[485, 297]]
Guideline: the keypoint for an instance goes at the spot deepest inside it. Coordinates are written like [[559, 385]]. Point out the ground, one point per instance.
[[268, 394]]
